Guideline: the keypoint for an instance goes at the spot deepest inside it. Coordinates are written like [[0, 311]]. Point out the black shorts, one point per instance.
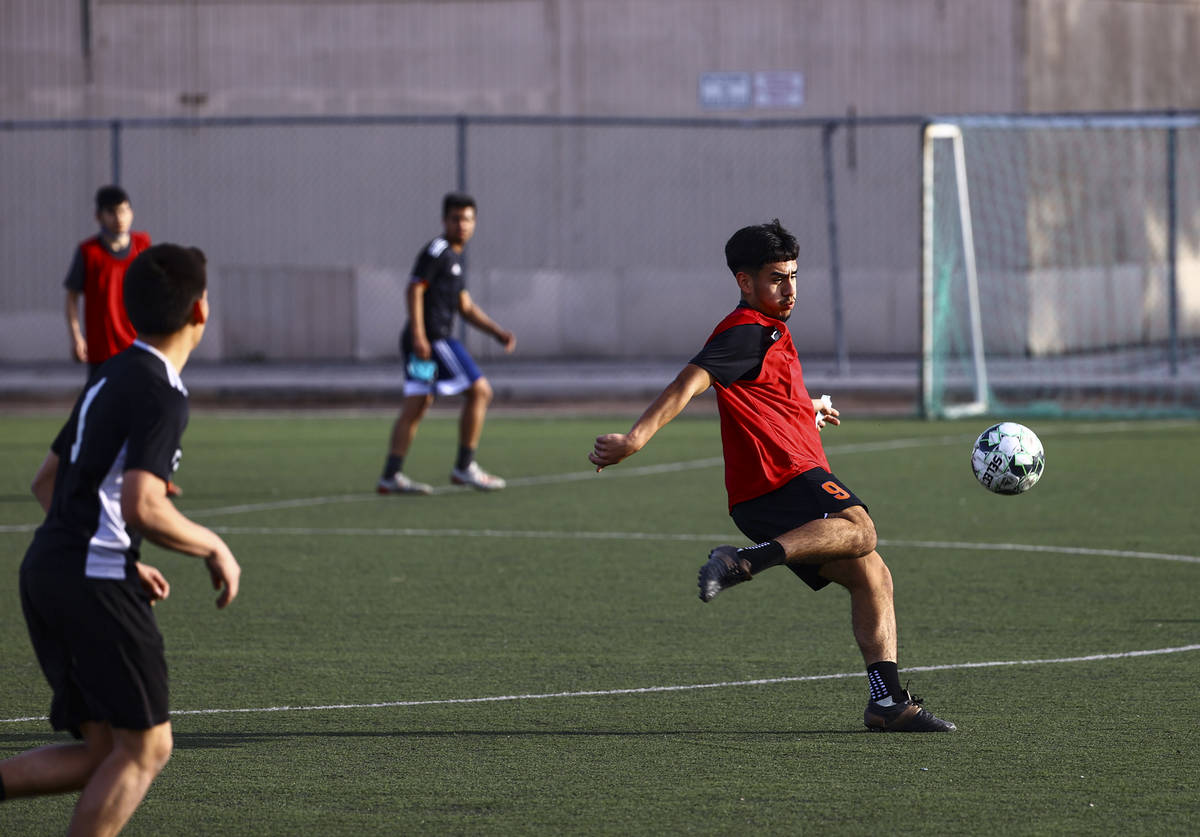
[[100, 648], [813, 495]]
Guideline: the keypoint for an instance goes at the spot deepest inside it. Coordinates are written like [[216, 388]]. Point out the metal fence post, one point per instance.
[[1172, 242], [114, 138], [835, 277]]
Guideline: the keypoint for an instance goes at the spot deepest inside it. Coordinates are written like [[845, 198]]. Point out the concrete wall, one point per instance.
[[578, 225], [140, 57], [1111, 55]]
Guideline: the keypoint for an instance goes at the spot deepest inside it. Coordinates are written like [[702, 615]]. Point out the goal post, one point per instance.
[[1060, 266], [935, 389]]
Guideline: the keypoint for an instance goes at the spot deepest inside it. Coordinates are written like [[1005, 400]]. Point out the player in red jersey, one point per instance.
[[782, 494], [97, 276]]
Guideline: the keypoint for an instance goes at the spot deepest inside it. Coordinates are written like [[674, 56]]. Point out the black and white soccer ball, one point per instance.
[[1008, 458]]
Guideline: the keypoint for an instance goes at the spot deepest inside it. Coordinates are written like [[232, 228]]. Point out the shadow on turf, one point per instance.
[[20, 741], [217, 740]]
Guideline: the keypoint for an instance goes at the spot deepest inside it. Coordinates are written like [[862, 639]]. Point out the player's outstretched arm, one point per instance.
[[477, 317], [611, 448], [146, 508]]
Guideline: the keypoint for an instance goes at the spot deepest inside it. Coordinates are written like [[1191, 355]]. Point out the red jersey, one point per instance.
[[106, 325], [768, 427]]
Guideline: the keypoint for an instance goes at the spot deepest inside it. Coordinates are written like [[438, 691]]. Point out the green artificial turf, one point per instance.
[[536, 661]]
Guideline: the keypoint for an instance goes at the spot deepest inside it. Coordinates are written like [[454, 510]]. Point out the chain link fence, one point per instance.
[[598, 237]]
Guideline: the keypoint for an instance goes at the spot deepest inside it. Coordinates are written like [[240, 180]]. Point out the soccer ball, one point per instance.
[[1008, 458]]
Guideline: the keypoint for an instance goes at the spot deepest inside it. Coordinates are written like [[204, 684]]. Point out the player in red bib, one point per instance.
[[782, 494], [97, 276]]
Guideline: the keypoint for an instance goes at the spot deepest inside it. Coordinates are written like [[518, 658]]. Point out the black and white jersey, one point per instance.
[[440, 268], [131, 415]]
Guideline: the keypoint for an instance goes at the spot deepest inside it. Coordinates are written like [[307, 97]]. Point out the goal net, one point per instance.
[[1061, 266]]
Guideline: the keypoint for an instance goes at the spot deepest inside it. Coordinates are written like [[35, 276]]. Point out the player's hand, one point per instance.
[[225, 572], [825, 412], [422, 348], [508, 340], [79, 349], [610, 449], [153, 582]]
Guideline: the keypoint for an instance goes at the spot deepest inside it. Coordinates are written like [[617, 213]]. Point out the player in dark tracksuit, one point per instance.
[[782, 494]]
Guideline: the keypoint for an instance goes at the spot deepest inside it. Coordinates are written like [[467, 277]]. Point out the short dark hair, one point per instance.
[[161, 286], [457, 200], [110, 197], [751, 247]]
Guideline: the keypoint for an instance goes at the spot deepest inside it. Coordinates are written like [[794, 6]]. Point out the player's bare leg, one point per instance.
[[404, 430], [873, 617], [470, 423], [57, 768], [846, 535], [120, 782], [466, 470], [872, 612]]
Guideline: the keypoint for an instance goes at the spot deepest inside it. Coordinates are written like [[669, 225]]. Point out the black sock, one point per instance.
[[769, 554], [466, 456], [884, 680], [392, 466]]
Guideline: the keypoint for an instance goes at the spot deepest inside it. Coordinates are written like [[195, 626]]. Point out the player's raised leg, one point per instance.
[[849, 533]]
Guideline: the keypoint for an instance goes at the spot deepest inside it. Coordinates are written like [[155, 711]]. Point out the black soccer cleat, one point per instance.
[[723, 569], [905, 715]]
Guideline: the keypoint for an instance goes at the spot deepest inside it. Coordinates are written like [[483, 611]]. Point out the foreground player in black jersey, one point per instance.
[[85, 593]]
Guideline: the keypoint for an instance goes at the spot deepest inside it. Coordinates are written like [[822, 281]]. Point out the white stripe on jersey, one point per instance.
[[438, 246], [172, 372], [106, 549]]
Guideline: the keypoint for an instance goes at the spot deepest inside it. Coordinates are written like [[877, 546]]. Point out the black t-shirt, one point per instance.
[[131, 415], [440, 268], [736, 353]]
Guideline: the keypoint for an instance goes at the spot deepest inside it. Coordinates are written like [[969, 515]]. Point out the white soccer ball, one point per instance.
[[1008, 458]]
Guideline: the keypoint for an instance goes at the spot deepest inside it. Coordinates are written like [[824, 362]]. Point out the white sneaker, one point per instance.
[[400, 484], [476, 477]]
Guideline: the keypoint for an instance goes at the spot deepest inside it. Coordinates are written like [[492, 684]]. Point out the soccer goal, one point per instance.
[[1061, 266]]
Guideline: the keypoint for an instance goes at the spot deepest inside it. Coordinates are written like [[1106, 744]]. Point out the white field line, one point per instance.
[[614, 472], [728, 684], [622, 471], [545, 479], [625, 471], [548, 534]]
